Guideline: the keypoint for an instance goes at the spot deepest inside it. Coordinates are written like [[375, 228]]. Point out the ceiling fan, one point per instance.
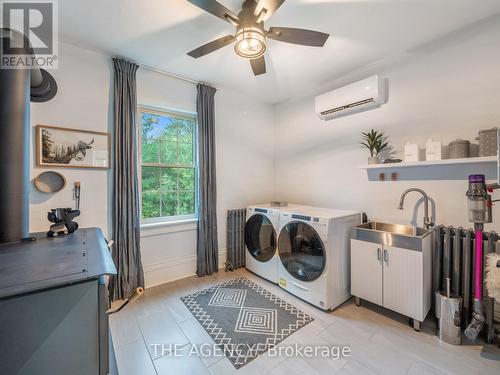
[[251, 36]]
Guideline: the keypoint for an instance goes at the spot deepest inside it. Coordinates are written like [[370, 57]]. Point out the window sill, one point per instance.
[[165, 227]]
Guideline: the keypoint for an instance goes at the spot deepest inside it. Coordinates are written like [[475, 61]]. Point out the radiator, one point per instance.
[[235, 239], [454, 258]]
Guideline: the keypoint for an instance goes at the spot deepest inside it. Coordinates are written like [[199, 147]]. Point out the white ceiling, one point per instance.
[[159, 33]]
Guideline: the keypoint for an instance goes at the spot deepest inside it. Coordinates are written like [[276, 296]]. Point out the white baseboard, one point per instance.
[[174, 269]]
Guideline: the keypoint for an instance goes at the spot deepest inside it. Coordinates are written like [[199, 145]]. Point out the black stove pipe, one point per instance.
[[16, 86]]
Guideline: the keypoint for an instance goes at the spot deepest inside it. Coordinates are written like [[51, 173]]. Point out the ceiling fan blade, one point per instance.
[[217, 9], [268, 7], [211, 47], [298, 36], [258, 65]]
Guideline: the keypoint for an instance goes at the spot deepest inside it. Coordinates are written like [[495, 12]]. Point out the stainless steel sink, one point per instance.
[[406, 230], [397, 235]]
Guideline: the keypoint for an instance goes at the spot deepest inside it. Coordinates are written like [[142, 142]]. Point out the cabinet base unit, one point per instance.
[[53, 332], [53, 302], [397, 278]]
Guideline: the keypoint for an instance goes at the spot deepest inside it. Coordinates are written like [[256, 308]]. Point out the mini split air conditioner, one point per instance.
[[357, 97]]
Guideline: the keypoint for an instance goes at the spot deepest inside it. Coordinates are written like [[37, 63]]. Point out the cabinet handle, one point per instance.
[[378, 254], [386, 256]]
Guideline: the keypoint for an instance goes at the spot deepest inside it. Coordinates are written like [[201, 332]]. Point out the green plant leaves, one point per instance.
[[374, 141]]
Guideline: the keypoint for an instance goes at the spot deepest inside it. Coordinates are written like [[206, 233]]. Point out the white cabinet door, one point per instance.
[[366, 271], [403, 285]]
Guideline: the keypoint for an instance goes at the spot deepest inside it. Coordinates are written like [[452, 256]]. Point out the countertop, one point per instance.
[[50, 262]]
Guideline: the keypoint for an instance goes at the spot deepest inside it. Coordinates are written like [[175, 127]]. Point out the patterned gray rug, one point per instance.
[[244, 319]]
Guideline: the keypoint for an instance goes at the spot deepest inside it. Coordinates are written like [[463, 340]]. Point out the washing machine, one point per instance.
[[314, 254], [261, 230]]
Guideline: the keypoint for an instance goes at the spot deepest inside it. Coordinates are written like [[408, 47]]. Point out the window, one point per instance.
[[168, 165]]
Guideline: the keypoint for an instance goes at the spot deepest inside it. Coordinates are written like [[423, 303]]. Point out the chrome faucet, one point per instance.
[[427, 221]]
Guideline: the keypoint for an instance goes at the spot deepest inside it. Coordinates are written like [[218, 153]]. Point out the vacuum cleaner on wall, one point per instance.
[[479, 207]]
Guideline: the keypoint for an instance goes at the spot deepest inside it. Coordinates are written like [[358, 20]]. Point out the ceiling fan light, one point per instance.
[[250, 42]]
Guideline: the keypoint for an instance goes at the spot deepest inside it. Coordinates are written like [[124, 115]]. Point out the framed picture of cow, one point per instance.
[[72, 148]]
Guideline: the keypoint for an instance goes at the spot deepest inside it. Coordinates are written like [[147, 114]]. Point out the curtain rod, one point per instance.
[[169, 74]]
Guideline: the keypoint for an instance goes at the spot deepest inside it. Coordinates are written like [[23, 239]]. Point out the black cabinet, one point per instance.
[[53, 301]]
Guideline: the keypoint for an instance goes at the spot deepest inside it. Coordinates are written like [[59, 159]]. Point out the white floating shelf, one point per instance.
[[429, 163]]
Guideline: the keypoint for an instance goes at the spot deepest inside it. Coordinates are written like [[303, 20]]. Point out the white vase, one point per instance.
[[373, 160]]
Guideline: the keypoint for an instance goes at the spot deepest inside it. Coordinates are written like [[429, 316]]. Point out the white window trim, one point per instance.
[[167, 220], [165, 227], [161, 224]]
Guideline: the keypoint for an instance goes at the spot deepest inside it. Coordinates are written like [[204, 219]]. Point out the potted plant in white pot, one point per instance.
[[375, 142]]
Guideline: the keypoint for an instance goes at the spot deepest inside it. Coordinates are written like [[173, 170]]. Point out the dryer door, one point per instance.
[[301, 251], [260, 238]]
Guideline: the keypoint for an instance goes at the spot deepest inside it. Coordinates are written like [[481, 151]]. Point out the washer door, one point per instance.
[[301, 251], [260, 238]]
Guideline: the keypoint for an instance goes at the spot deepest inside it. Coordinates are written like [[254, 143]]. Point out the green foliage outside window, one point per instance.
[[168, 165]]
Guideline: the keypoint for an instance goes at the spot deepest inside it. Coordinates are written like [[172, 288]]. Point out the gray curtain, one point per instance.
[[126, 216], [207, 246]]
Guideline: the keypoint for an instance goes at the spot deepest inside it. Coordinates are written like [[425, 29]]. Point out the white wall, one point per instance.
[[244, 140], [82, 102], [446, 90]]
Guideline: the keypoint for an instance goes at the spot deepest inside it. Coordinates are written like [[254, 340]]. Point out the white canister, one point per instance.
[[433, 150], [412, 152]]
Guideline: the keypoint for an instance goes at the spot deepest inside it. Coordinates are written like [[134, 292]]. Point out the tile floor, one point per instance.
[[381, 341]]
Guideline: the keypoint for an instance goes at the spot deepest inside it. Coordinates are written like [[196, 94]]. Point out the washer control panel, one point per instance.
[[266, 211], [301, 217]]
